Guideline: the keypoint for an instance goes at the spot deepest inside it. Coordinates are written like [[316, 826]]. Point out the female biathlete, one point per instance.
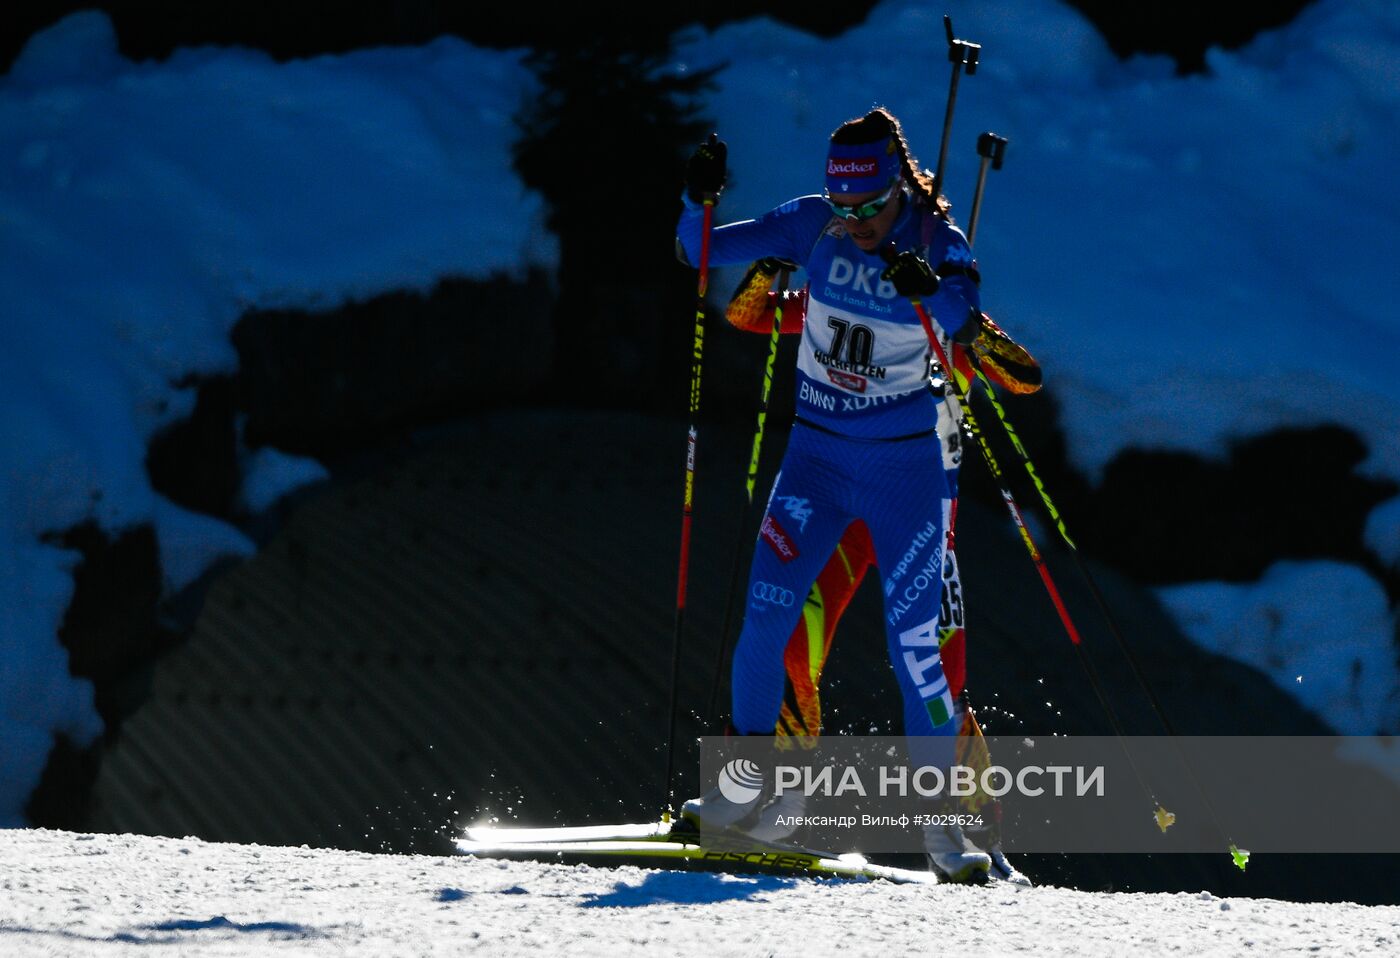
[[1006, 363], [865, 444]]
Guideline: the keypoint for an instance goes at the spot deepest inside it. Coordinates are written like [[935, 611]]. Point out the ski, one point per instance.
[[658, 844], [488, 835]]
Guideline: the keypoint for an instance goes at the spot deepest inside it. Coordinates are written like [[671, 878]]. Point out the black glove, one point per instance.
[[909, 272], [704, 171]]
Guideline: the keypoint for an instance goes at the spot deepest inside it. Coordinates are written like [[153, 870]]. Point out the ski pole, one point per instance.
[[696, 364], [961, 53], [750, 481], [997, 473], [1036, 557], [1240, 857], [784, 273], [992, 149]]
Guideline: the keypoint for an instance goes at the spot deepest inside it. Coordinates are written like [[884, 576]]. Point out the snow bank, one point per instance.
[[1320, 630]]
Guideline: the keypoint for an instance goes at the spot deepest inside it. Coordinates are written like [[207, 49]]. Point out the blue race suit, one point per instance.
[[864, 446]]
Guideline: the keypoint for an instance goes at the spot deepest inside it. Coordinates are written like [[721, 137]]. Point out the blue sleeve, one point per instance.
[[958, 297], [788, 231]]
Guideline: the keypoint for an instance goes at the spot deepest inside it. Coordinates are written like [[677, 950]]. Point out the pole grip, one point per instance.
[[992, 147], [961, 53]]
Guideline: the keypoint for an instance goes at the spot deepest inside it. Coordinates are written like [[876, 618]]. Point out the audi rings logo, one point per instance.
[[776, 594], [740, 781]]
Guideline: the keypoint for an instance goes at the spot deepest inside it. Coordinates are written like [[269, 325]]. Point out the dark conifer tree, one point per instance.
[[605, 143]]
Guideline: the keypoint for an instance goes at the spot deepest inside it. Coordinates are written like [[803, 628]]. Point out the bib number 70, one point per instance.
[[856, 340]]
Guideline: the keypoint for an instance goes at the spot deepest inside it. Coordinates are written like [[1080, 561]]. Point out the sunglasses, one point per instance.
[[864, 211]]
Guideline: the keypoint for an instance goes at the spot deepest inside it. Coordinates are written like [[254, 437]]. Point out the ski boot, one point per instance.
[[712, 812], [988, 836], [766, 816], [775, 821], [1004, 870], [950, 853]]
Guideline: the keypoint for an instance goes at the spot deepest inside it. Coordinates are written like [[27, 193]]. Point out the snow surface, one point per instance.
[[112, 895], [1320, 630], [1191, 258]]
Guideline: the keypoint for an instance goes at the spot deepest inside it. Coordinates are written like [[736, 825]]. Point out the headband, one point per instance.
[[861, 167]]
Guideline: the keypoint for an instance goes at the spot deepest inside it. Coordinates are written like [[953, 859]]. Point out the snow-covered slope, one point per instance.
[[111, 895], [145, 207]]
